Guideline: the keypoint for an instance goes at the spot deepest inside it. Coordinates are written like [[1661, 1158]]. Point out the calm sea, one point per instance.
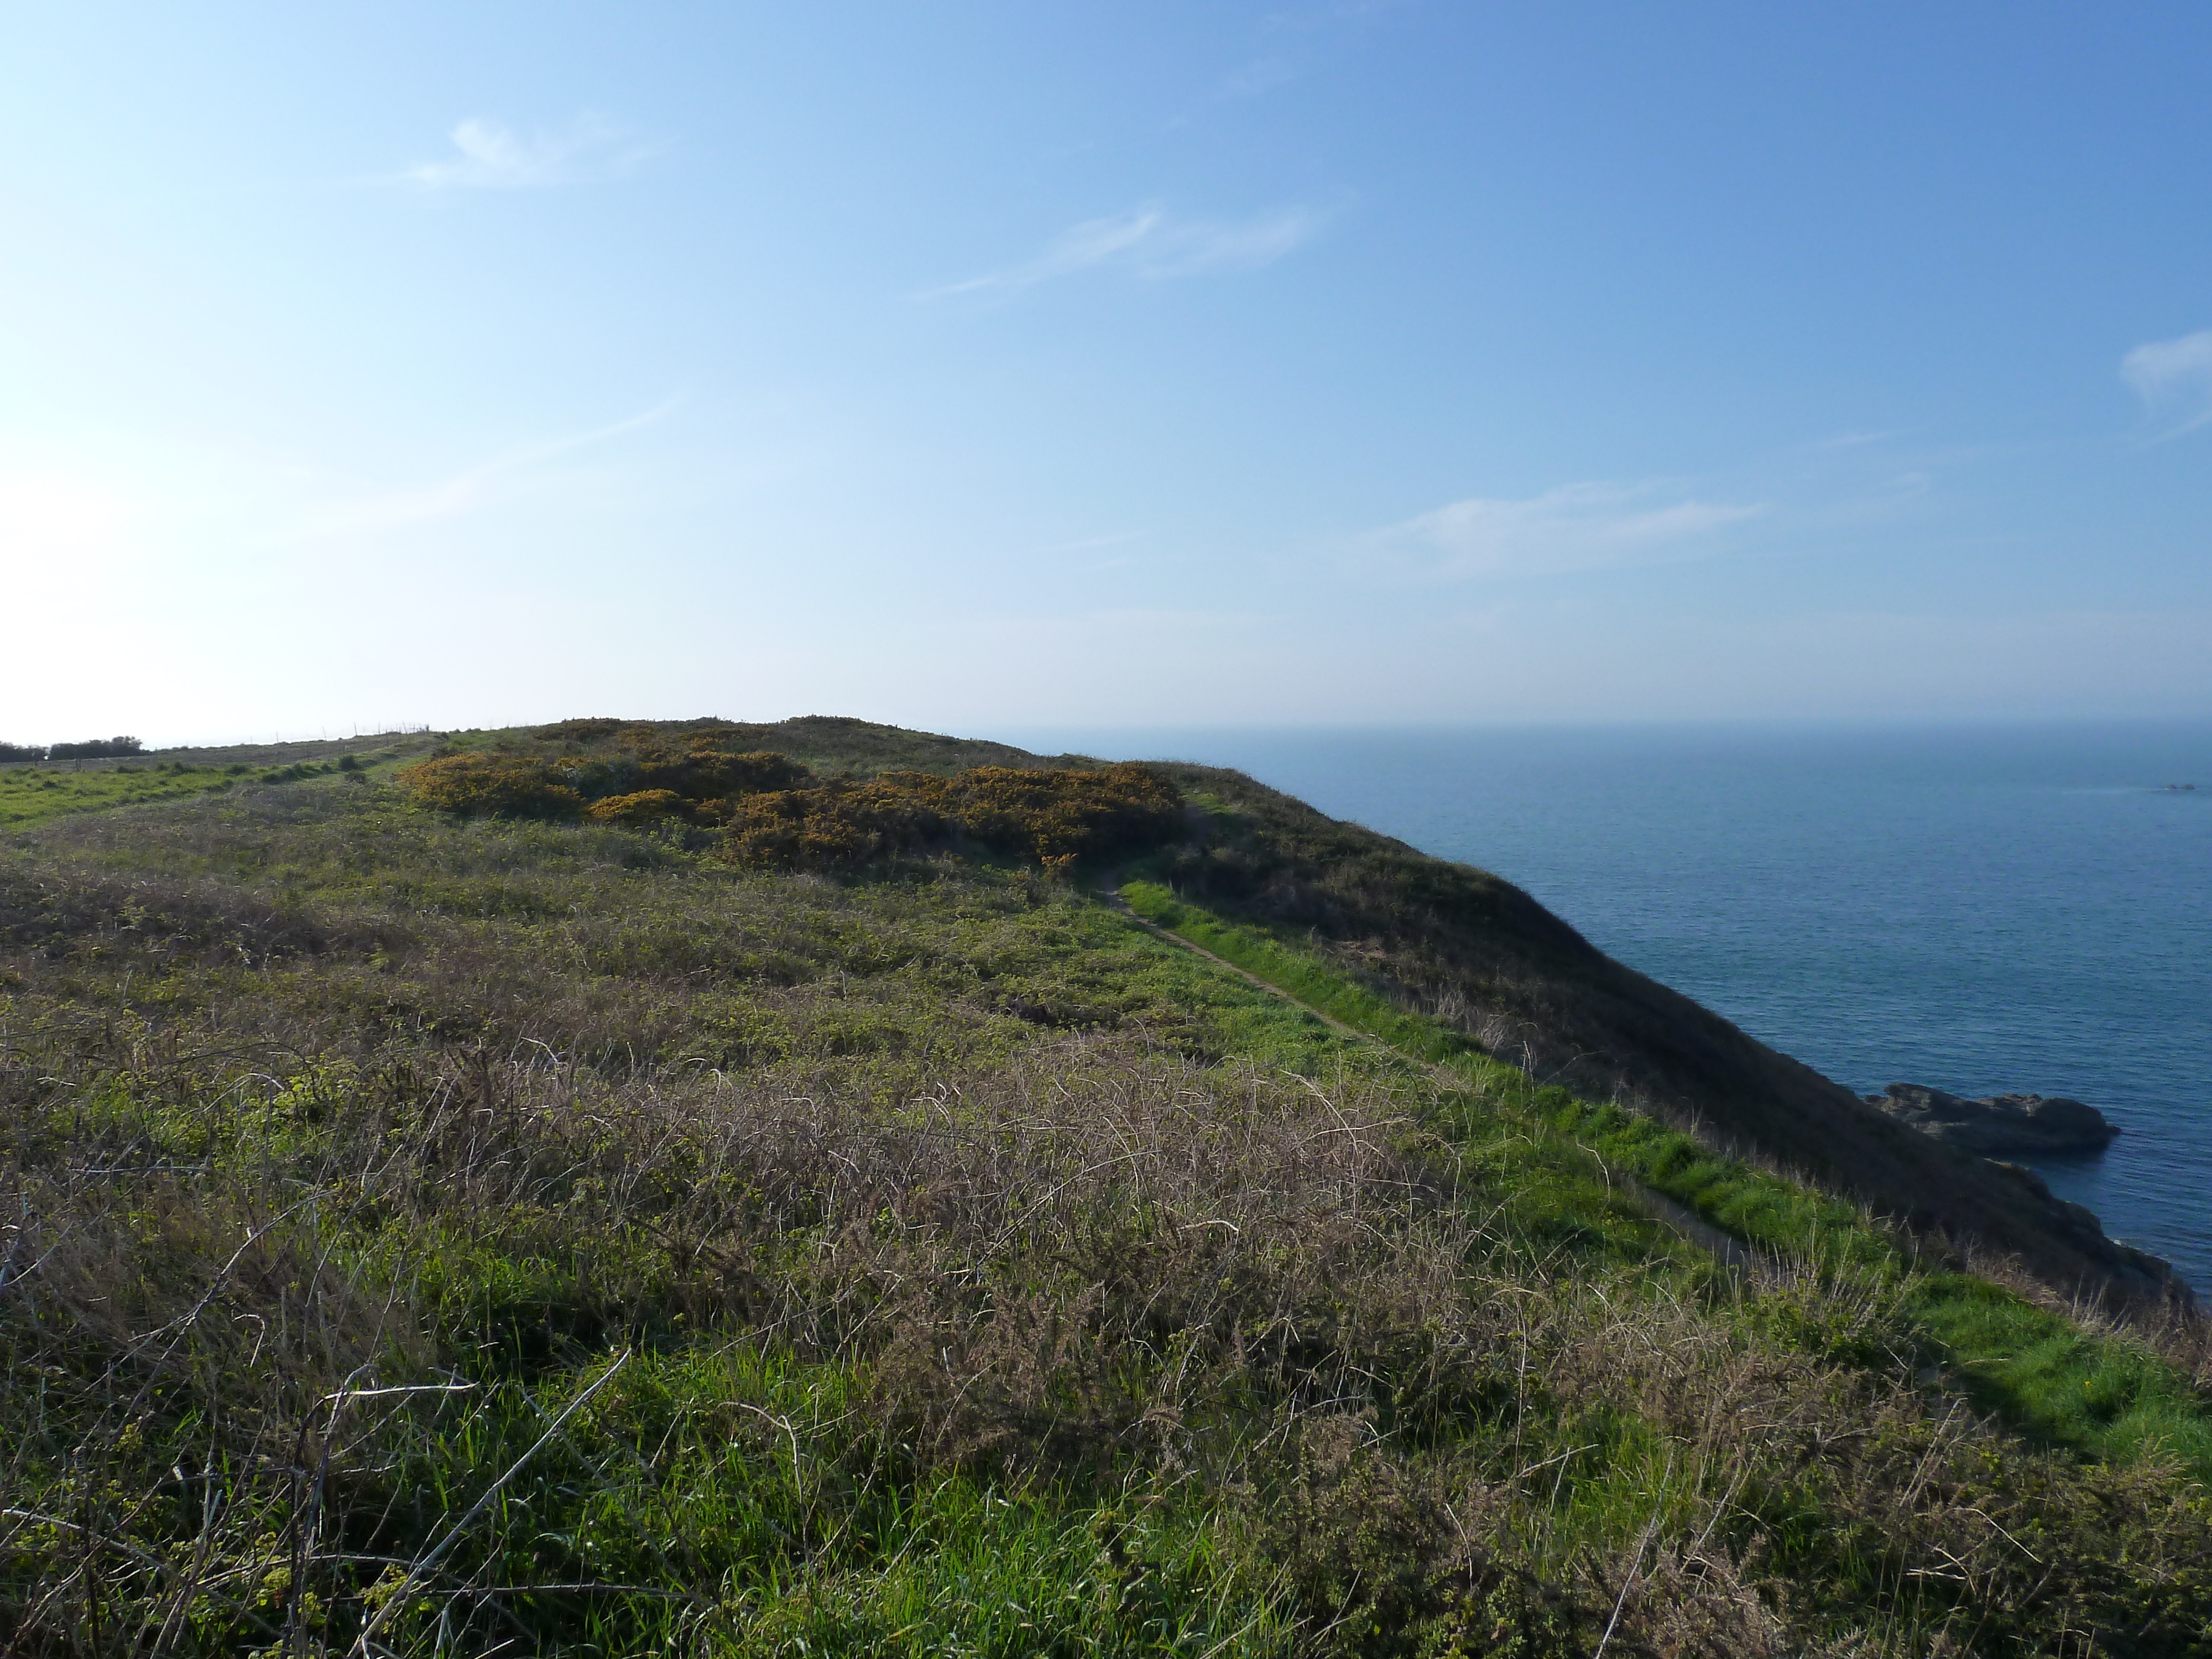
[[1983, 909]]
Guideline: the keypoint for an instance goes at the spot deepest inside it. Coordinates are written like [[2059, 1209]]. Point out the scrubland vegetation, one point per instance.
[[776, 814], [446, 1230]]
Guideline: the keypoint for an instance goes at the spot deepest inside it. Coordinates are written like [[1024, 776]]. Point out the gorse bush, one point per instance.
[[647, 806], [1053, 816], [696, 771], [580, 731], [650, 778], [837, 826], [492, 785], [779, 817]]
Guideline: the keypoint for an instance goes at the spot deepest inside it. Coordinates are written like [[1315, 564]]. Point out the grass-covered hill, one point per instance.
[[794, 1188]]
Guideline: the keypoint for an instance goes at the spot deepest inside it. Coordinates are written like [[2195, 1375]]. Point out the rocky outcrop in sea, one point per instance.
[[1998, 1126]]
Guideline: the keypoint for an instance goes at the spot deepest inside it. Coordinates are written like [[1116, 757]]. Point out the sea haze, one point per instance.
[[1984, 909]]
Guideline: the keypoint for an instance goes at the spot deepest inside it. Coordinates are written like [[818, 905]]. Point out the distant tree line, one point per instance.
[[91, 748]]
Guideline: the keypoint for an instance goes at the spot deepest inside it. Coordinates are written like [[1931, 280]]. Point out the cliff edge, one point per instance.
[[1467, 947]]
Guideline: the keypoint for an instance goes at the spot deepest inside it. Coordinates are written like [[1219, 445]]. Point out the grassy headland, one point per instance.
[[428, 1232]]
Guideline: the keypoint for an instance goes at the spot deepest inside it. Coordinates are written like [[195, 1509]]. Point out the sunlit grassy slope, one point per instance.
[[31, 794], [452, 1234]]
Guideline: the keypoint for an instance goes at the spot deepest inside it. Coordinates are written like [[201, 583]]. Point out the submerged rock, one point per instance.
[[1999, 1123]]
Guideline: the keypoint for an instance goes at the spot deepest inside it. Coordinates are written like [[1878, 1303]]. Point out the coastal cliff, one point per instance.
[[1478, 953]]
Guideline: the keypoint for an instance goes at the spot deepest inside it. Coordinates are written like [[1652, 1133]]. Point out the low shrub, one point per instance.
[[646, 806], [777, 815], [579, 731], [699, 772], [649, 782], [836, 826], [491, 786], [633, 1260], [1053, 816]]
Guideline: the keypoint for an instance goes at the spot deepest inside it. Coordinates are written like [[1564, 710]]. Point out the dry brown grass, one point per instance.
[[1091, 1260]]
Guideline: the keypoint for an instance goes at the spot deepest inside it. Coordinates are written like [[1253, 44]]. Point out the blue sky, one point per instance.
[[989, 367]]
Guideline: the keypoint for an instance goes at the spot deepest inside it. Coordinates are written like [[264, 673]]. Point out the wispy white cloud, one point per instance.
[[489, 155], [516, 472], [2173, 375], [1152, 244], [1581, 526]]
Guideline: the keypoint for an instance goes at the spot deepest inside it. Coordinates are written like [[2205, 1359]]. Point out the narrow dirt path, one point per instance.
[[1112, 896], [1674, 1215]]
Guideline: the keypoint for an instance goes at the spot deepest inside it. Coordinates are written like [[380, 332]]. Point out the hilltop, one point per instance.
[[731, 1187]]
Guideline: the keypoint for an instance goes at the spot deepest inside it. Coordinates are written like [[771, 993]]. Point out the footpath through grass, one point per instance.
[[2102, 1393]]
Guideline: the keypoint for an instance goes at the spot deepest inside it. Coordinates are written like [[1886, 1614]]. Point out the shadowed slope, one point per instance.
[[1479, 952]]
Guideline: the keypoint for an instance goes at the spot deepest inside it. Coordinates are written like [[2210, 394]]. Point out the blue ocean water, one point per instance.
[[1983, 909]]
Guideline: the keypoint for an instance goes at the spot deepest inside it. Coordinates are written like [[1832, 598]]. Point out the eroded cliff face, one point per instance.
[[1463, 945]]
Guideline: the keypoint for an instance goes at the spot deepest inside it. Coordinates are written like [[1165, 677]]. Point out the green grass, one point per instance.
[[1299, 973], [753, 1469], [2104, 1395], [33, 795]]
